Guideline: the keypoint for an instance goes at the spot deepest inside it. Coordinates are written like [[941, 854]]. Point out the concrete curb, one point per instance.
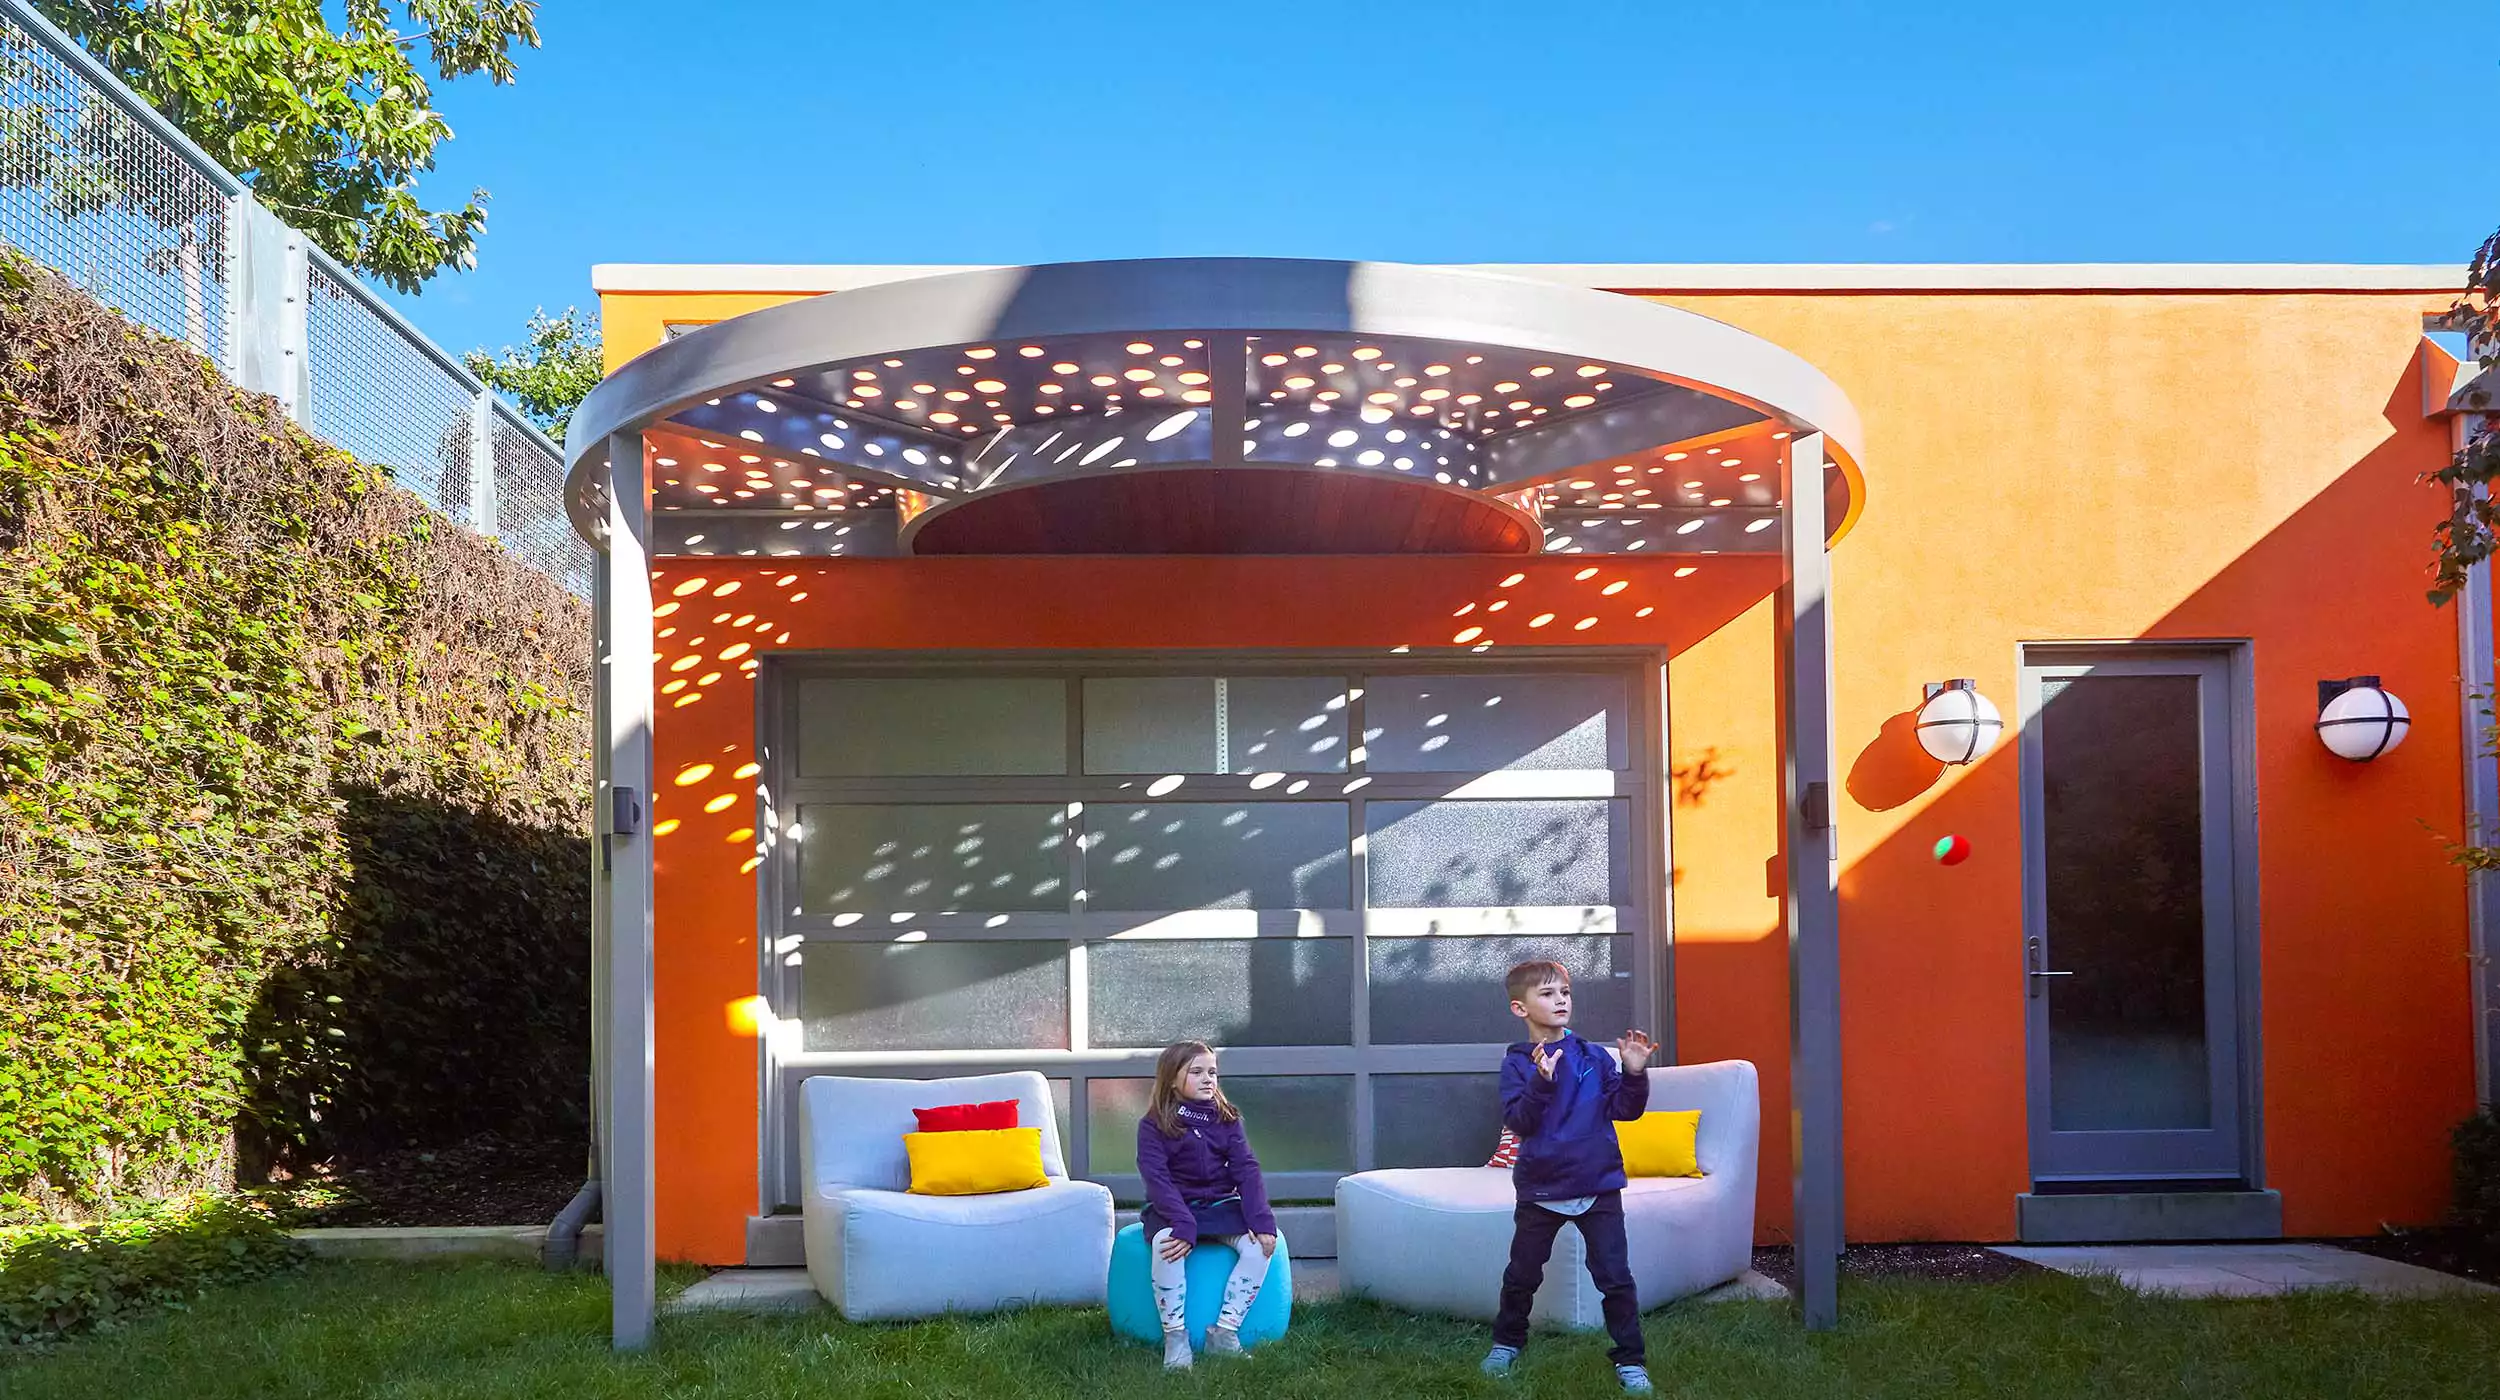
[[518, 1243]]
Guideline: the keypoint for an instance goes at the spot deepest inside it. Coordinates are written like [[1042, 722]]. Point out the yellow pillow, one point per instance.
[[976, 1163], [1661, 1144]]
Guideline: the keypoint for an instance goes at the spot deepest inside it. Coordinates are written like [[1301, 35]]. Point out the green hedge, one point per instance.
[[293, 790], [59, 1280], [2477, 1143]]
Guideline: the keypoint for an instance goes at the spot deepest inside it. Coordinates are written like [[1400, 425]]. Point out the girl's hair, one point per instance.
[[1164, 1107]]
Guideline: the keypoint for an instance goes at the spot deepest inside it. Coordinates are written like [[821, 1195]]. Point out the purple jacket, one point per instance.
[[1209, 1161], [1566, 1124]]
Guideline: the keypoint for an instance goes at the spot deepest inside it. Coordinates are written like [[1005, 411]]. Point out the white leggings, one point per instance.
[[1240, 1290]]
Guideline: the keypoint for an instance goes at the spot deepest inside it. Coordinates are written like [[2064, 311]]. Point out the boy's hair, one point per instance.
[[1164, 1104], [1529, 976]]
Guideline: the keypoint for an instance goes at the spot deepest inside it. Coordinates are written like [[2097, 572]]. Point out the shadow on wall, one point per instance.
[[451, 997], [1892, 770]]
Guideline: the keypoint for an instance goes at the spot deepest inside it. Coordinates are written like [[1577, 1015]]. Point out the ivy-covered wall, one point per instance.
[[293, 790]]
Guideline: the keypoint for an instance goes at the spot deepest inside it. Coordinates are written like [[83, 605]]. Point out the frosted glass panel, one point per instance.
[[1439, 854], [1147, 993], [1435, 1120], [1217, 855], [1296, 1122], [1004, 995], [1202, 724], [888, 727], [1448, 991], [1476, 723], [893, 859]]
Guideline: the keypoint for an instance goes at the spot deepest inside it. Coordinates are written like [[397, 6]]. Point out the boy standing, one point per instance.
[[1561, 1097]]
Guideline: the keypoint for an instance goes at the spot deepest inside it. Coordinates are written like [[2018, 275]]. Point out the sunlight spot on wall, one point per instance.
[[1584, 624], [736, 650], [1468, 635], [666, 827], [1540, 619], [748, 1016], [1513, 580], [721, 803], [747, 867], [748, 770], [692, 585], [693, 774], [1615, 587]]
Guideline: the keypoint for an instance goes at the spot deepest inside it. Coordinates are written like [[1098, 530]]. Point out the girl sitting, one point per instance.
[[1202, 1183]]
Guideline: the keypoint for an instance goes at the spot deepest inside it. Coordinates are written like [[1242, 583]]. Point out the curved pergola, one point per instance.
[[1234, 405], [1215, 405]]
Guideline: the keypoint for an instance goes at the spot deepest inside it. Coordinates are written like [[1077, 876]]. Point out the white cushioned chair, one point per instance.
[[876, 1251], [1436, 1239]]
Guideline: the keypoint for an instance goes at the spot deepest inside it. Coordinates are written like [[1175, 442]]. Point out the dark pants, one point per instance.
[[1532, 1243]]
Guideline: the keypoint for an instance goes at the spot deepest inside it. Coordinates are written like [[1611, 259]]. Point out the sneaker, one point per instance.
[[1224, 1341], [1635, 1379], [1497, 1361], [1176, 1355]]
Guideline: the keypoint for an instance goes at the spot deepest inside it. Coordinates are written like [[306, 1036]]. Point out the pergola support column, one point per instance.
[[628, 1248], [1813, 869]]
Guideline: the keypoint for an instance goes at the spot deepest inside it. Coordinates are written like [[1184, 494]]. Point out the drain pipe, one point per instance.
[[564, 1238]]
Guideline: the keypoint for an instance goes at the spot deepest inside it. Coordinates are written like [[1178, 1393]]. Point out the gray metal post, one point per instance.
[[1813, 905], [2482, 806], [266, 275], [628, 1247], [484, 508]]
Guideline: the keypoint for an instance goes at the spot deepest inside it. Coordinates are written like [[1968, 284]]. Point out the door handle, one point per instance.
[[2033, 957]]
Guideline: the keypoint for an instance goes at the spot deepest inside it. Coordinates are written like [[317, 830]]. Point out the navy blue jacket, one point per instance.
[[1565, 1124], [1209, 1161]]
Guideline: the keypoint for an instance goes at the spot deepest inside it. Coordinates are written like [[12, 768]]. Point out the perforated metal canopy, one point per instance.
[[1214, 406]]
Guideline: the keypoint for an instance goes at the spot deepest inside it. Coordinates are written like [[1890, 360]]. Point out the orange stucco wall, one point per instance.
[[2040, 468]]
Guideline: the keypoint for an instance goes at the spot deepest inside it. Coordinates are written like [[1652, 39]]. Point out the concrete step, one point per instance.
[[2095, 1217]]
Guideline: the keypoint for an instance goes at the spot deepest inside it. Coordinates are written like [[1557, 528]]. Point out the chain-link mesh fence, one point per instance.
[[383, 398], [87, 189], [529, 504], [99, 188]]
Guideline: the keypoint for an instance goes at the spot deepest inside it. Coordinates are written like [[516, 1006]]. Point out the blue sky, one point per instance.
[[973, 131]]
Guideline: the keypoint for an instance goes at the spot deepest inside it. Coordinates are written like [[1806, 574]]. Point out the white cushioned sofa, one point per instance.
[[1436, 1239], [876, 1251]]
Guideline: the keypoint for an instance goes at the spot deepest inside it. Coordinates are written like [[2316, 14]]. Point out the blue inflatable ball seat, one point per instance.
[[1131, 1293]]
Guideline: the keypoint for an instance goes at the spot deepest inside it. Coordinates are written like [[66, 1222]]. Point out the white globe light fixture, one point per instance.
[[2359, 720], [1957, 724]]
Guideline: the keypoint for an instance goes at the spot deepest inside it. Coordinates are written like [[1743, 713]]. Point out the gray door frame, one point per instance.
[[1647, 916], [2232, 1154]]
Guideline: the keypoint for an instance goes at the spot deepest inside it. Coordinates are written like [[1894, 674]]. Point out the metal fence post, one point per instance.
[[267, 278], [482, 502]]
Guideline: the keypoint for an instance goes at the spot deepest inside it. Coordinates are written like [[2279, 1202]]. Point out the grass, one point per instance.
[[480, 1331]]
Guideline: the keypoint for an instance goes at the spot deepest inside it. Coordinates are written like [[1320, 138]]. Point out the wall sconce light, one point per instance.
[[2359, 720], [1957, 724]]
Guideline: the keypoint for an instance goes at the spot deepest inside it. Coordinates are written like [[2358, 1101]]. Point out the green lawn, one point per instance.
[[481, 1331]]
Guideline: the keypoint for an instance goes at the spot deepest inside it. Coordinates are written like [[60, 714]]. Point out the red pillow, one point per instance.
[[967, 1117], [1505, 1151]]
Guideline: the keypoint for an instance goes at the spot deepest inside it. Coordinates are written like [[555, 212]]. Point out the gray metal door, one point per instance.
[[2130, 961]]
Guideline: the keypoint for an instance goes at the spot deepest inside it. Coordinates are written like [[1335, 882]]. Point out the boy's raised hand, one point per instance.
[[1545, 1059], [1636, 1047]]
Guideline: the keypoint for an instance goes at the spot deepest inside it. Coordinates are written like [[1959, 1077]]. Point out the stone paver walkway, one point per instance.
[[2244, 1270]]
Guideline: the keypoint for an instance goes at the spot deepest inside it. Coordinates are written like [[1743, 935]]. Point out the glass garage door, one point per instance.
[[1323, 870]]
